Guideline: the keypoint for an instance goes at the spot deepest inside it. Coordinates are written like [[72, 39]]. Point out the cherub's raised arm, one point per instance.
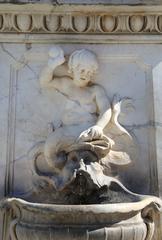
[[56, 58]]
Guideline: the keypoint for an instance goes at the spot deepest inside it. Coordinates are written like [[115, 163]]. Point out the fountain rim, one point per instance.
[[95, 208]]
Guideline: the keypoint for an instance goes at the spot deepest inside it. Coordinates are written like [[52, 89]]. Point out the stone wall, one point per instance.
[[126, 41]]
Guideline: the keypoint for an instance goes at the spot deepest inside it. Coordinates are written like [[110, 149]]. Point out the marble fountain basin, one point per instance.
[[116, 221]]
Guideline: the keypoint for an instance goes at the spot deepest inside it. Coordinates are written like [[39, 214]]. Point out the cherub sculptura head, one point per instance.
[[83, 65]]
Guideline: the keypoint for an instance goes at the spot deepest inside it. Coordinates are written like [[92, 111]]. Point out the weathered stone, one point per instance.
[[107, 2], [80, 123]]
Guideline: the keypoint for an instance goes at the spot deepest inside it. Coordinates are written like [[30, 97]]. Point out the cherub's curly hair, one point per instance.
[[83, 59]]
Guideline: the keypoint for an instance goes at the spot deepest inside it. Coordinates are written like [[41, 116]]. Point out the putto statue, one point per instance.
[[76, 194], [87, 114]]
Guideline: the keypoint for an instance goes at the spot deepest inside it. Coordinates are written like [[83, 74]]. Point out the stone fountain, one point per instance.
[[76, 192]]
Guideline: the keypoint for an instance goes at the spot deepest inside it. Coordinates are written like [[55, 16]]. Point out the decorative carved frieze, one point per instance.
[[98, 21]]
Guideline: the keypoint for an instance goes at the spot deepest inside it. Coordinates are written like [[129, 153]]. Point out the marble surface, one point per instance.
[[28, 111], [123, 69]]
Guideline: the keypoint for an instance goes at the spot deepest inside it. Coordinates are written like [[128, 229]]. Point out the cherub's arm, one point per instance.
[[48, 79], [103, 107], [47, 76], [103, 110]]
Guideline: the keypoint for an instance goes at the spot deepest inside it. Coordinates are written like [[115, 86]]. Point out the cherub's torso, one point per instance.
[[80, 106]]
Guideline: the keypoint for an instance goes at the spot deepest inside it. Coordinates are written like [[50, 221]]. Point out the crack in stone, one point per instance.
[[8, 53], [21, 61], [65, 95], [36, 75]]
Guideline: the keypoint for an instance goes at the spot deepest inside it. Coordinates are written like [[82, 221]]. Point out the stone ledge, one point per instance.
[[106, 2]]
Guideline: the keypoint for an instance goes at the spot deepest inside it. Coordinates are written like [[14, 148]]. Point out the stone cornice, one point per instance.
[[70, 19]]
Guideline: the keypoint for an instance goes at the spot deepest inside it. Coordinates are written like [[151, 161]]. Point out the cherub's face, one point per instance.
[[82, 77]]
